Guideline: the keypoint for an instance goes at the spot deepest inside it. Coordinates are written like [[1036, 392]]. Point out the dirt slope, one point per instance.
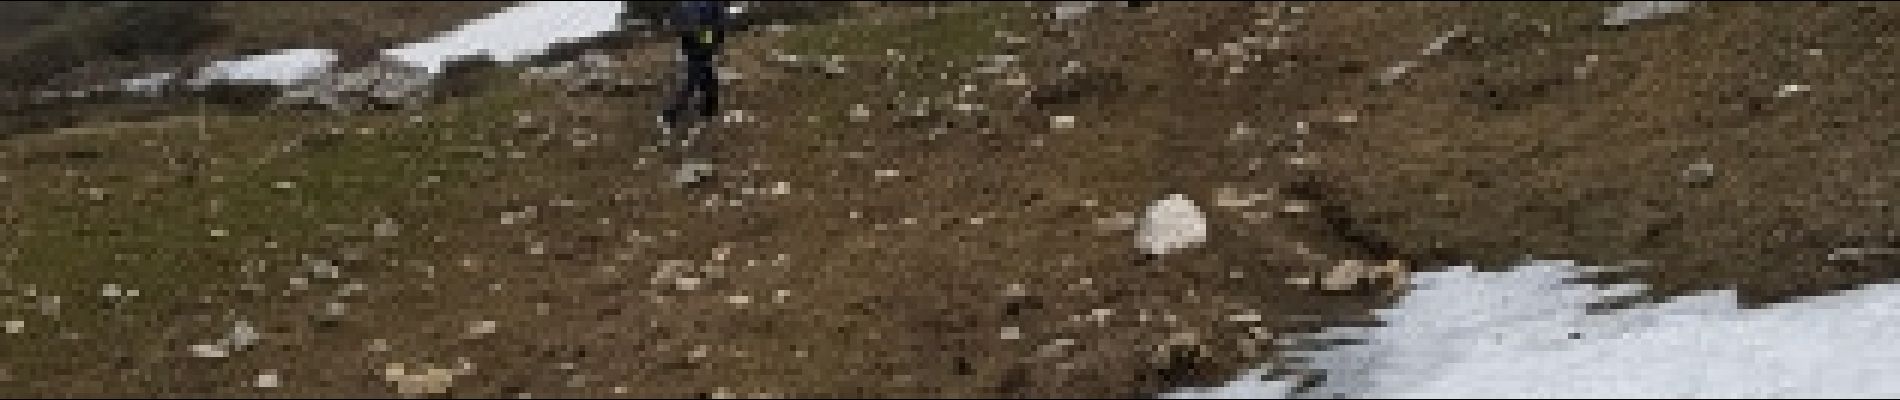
[[952, 238]]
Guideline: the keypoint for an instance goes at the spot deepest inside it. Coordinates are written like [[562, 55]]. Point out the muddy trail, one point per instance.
[[936, 202]]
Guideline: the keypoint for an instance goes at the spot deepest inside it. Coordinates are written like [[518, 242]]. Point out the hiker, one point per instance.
[[700, 26]]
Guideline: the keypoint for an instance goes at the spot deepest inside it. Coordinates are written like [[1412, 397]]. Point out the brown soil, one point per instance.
[[980, 268]]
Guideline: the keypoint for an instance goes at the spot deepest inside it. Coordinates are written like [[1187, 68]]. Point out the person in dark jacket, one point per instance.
[[701, 28]]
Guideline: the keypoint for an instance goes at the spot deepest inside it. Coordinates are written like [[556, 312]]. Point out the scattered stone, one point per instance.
[[1062, 122], [1628, 12], [1171, 224], [267, 379], [425, 379], [1700, 173], [386, 228], [1011, 333], [482, 327], [1352, 273]]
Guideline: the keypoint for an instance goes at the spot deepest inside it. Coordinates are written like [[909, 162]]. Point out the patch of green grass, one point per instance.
[[377, 165], [175, 235]]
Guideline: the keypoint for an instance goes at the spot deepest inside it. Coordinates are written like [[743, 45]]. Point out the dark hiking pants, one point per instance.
[[701, 80]]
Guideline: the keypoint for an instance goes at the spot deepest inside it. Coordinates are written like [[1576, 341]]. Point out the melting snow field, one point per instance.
[[1525, 334], [524, 30], [520, 31], [283, 67]]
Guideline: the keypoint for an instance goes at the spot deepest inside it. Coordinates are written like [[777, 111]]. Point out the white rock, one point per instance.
[[482, 327], [219, 349], [1791, 89], [424, 379], [386, 228], [1062, 121], [268, 379], [1011, 333], [243, 334], [1631, 11], [1171, 224], [1067, 10]]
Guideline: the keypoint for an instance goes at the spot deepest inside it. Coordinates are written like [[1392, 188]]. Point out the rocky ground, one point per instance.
[[926, 201]]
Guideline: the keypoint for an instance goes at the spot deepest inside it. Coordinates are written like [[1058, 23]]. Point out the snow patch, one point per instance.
[[526, 30], [518, 32], [1525, 333], [282, 67]]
